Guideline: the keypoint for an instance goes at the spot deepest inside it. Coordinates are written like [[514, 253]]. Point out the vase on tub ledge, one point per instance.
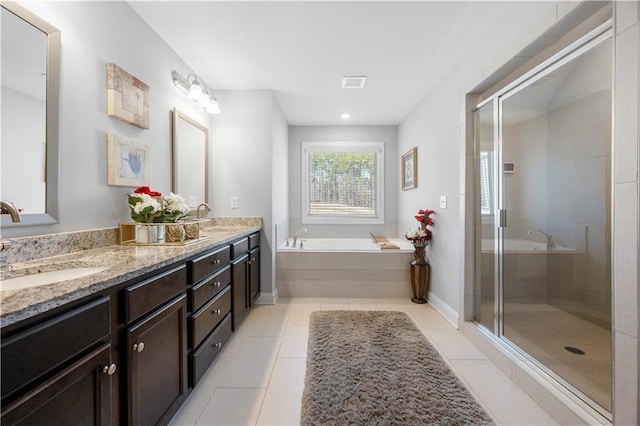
[[420, 270]]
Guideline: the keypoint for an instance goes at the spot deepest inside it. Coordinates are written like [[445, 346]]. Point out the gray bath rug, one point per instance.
[[377, 368]]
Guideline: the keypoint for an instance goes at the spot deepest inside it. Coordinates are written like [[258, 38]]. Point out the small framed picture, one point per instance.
[[410, 169], [127, 97], [127, 161]]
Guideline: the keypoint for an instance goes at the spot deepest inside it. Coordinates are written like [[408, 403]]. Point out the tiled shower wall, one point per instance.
[[625, 220]]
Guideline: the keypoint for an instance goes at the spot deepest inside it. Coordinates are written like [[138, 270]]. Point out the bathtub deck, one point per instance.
[[384, 273]]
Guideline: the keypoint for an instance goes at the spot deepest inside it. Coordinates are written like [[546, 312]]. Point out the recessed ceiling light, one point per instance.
[[345, 115]]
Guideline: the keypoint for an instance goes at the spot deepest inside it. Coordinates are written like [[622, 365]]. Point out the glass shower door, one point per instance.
[[486, 285], [555, 134]]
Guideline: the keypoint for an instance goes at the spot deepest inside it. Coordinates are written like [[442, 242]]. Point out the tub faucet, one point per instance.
[[550, 243], [207, 209], [8, 208], [295, 236]]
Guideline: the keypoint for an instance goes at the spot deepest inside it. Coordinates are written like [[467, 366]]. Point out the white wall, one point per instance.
[[280, 180], [437, 127], [94, 34], [386, 134], [245, 139], [434, 127]]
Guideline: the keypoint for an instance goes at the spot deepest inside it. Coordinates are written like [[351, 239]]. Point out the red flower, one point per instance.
[[148, 191]]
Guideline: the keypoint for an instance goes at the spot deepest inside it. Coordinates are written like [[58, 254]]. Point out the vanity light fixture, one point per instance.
[[197, 90]]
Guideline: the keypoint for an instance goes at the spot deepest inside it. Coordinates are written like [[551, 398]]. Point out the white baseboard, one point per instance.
[[267, 298], [443, 309]]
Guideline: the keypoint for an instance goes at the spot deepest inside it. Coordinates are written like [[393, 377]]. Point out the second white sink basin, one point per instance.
[[49, 277]]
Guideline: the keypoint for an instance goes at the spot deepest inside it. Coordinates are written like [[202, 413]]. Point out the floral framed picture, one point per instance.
[[127, 97], [127, 161], [410, 169]]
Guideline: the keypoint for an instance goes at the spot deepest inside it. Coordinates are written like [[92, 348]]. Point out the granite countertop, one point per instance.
[[122, 262]]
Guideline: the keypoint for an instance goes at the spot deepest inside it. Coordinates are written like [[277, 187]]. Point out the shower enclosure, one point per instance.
[[543, 160]]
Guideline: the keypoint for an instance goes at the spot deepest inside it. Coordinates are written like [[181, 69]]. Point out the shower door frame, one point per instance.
[[589, 41]]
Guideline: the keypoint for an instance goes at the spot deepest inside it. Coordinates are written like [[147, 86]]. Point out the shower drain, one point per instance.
[[573, 350]]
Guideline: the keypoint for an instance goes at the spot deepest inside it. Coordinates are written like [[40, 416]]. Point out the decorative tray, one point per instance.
[[180, 233]]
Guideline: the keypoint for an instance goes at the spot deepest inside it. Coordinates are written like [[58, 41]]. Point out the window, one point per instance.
[[486, 183], [342, 182]]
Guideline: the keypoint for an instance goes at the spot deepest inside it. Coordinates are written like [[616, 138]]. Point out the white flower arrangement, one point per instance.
[[149, 206]]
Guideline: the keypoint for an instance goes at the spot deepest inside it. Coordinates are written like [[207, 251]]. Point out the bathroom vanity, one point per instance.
[[126, 345]]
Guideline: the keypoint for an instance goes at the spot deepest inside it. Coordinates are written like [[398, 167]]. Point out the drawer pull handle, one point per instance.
[[139, 347], [216, 262], [253, 259], [217, 312], [217, 345], [217, 284], [248, 262], [109, 369]]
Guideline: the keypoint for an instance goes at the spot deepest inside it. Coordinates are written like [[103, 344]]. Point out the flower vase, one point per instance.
[[146, 234], [420, 270]]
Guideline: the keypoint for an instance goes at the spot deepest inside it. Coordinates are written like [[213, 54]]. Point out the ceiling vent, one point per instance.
[[353, 82]]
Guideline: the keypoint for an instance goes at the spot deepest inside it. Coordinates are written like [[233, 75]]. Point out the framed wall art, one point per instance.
[[127, 97], [127, 161], [410, 169]]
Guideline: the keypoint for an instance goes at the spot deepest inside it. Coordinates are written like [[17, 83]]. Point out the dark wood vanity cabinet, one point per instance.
[[130, 354], [156, 347], [209, 309], [60, 370], [254, 271], [245, 275], [78, 395]]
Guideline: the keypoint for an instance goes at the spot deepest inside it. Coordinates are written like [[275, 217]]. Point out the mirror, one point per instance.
[[190, 159], [30, 83]]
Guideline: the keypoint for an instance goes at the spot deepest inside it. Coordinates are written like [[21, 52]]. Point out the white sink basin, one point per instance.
[[49, 277]]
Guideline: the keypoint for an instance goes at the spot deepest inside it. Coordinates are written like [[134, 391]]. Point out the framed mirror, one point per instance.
[[30, 79], [190, 159]]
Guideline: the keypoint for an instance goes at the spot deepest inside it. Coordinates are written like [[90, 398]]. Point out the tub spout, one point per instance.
[[551, 244], [295, 236]]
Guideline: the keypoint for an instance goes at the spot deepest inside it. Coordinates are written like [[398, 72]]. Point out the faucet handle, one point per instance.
[[286, 242]]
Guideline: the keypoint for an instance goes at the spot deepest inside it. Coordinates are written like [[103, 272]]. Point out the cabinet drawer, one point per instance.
[[205, 320], [44, 347], [239, 247], [254, 240], [208, 263], [203, 357], [208, 288], [153, 292]]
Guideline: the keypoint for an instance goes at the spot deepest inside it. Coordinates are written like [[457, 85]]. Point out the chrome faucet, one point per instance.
[[295, 236], [206, 206], [8, 208], [551, 244]]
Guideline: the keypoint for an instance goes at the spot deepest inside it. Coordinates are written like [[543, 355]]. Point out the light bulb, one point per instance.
[[195, 91], [213, 108], [204, 101], [345, 115]]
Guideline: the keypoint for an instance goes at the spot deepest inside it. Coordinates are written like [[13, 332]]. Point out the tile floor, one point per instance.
[[259, 377]]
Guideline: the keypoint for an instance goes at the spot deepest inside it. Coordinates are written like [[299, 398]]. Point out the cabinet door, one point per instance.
[[79, 395], [157, 364], [254, 275], [239, 277]]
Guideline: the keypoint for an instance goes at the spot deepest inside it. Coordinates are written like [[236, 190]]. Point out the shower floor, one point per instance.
[[544, 331]]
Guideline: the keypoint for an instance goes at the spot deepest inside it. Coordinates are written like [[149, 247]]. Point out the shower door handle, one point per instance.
[[503, 218]]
